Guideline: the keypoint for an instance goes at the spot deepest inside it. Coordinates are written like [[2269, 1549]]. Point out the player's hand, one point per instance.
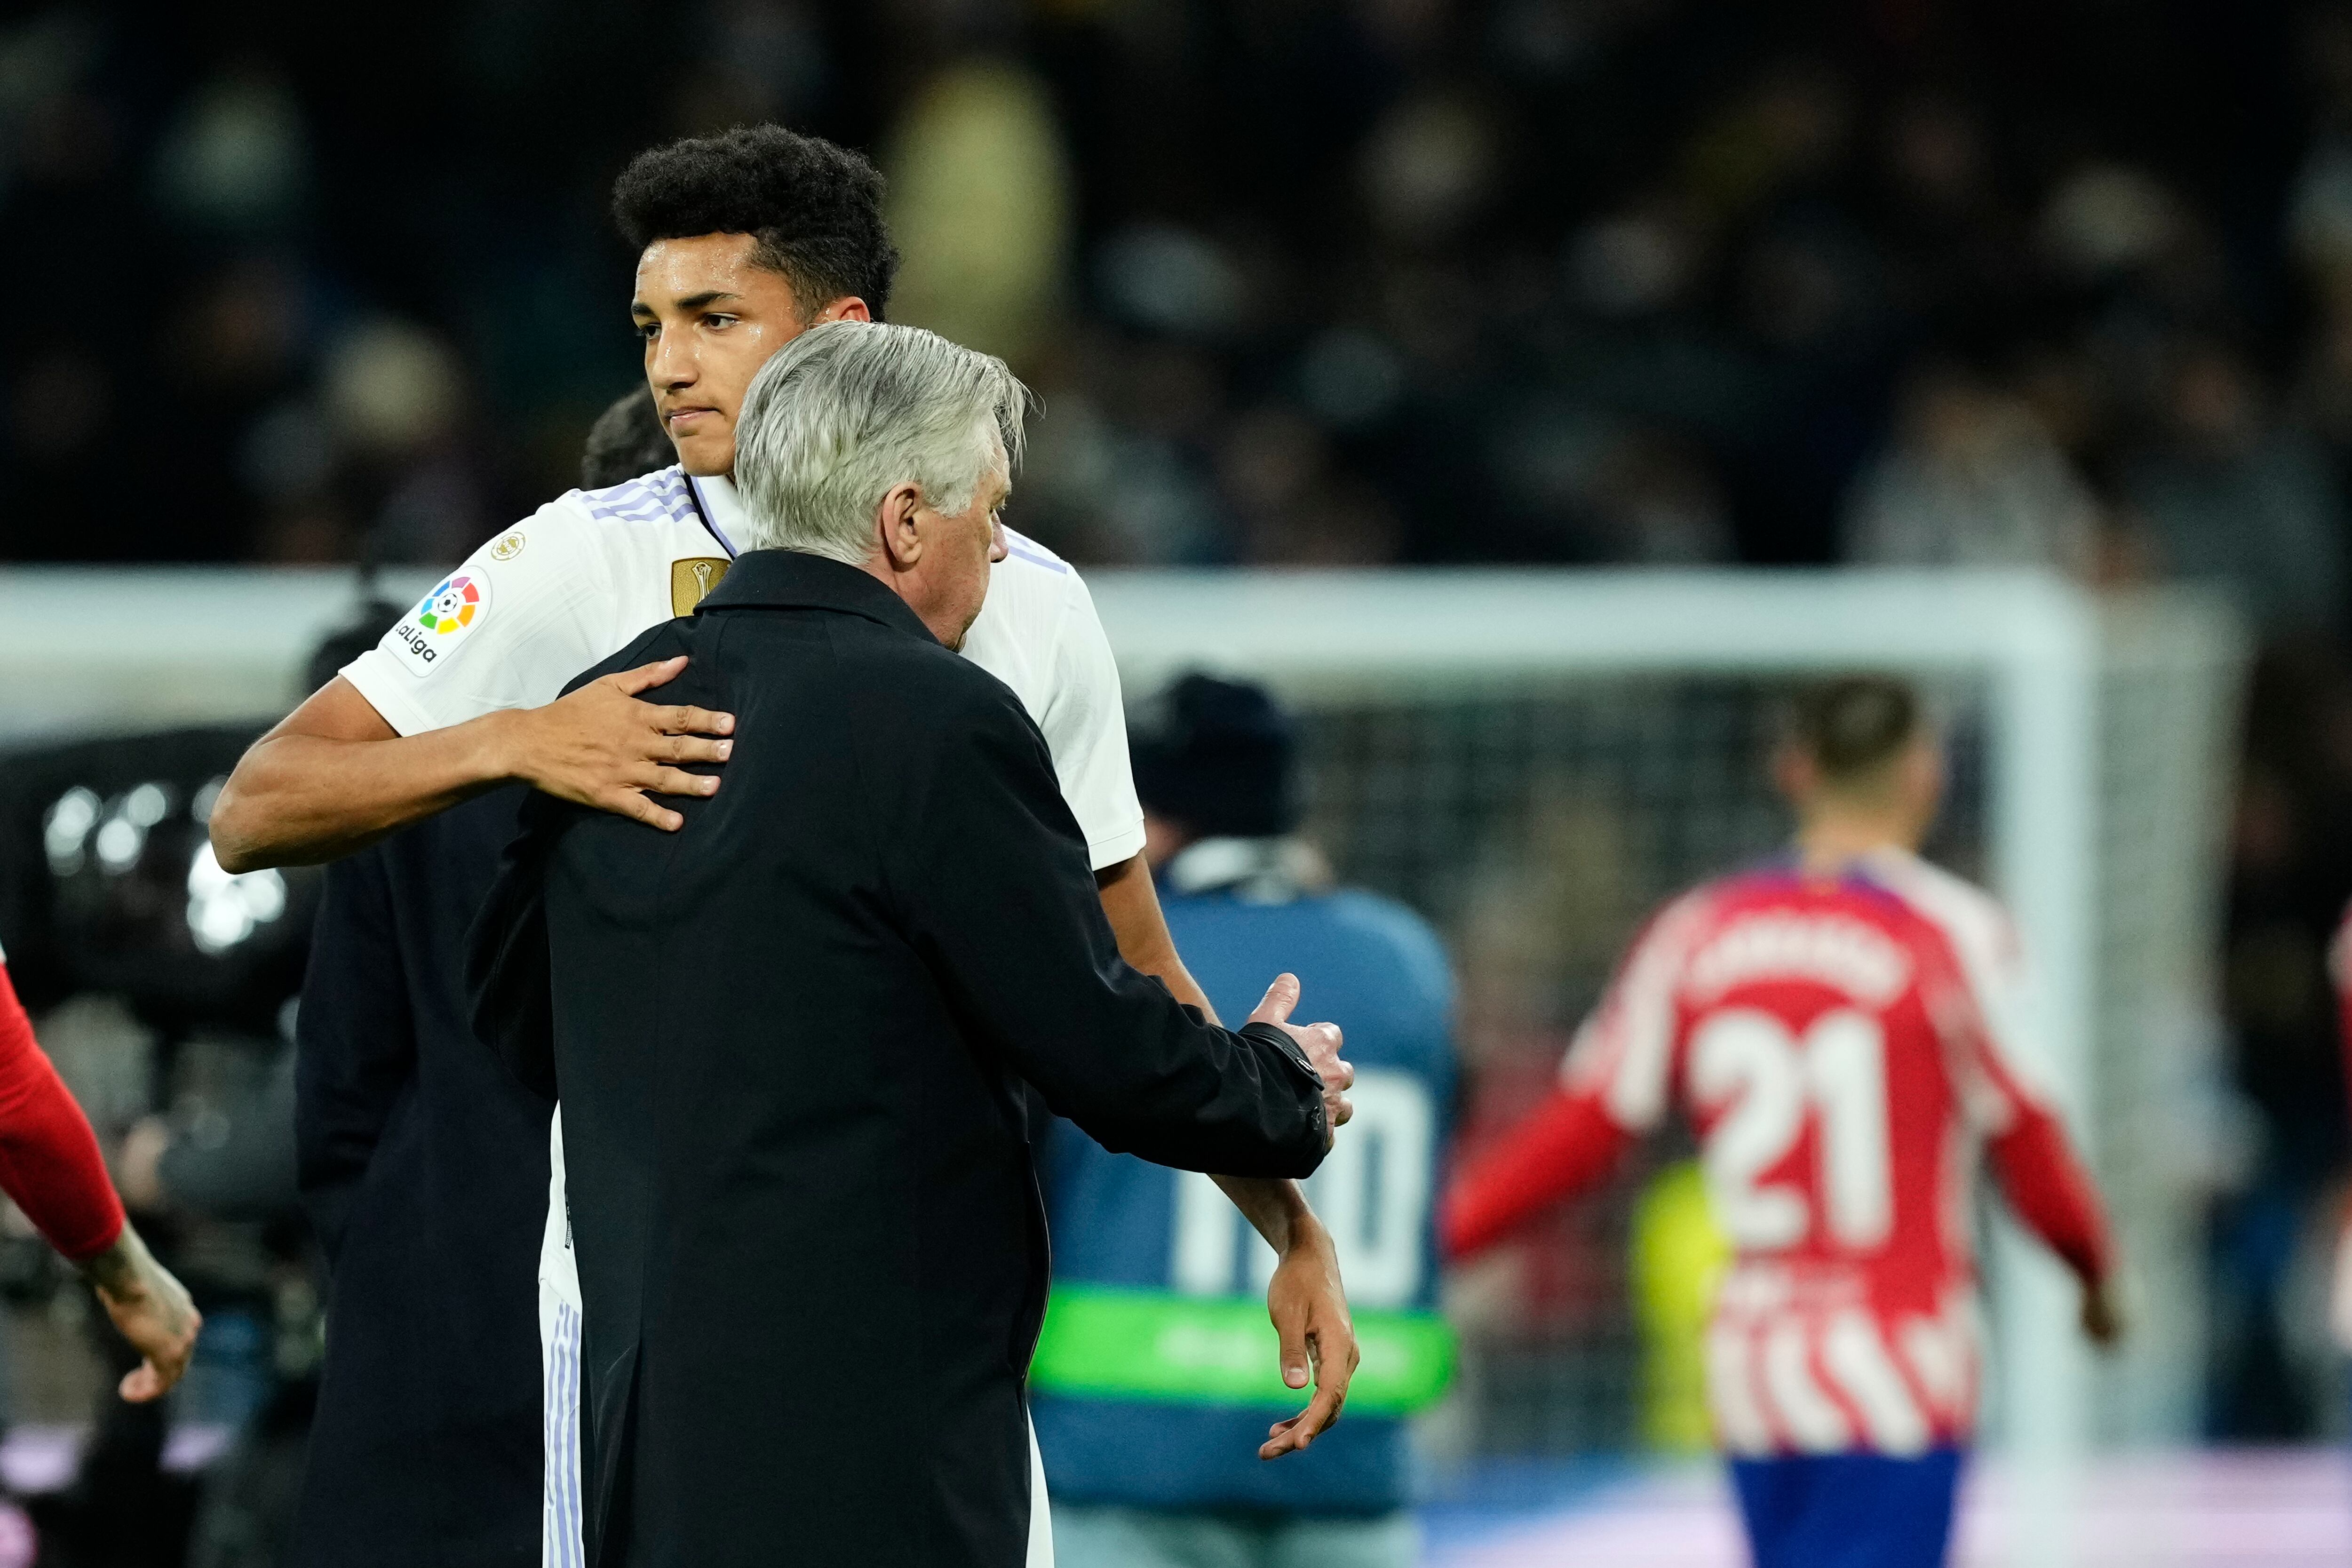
[[150, 1308], [602, 747], [1321, 1043], [2103, 1325], [1310, 1310]]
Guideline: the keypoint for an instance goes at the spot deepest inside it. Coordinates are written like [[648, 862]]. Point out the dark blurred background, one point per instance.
[[1307, 282], [1582, 281]]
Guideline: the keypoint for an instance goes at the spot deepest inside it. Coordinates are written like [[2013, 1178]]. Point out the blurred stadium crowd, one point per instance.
[[1307, 283], [1582, 281]]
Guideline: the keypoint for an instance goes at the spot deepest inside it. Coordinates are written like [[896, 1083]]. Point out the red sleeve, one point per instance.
[[2051, 1191], [49, 1162], [1568, 1144]]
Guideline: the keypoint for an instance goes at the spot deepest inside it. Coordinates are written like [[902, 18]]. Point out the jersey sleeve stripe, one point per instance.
[[653, 498]]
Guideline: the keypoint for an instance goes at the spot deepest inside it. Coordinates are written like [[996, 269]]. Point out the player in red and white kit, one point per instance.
[[51, 1169], [1845, 1030]]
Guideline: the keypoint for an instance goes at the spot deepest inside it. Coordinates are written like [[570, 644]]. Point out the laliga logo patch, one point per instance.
[[441, 621], [451, 606]]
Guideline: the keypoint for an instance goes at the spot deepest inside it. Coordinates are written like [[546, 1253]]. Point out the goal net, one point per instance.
[[1535, 760]]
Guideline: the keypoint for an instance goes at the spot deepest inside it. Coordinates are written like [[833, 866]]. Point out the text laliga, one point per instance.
[[415, 641]]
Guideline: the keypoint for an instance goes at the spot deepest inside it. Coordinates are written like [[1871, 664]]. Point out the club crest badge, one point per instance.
[[506, 549], [690, 579]]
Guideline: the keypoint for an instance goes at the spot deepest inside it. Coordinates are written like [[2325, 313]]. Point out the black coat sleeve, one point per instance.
[[509, 975], [993, 879], [355, 1041]]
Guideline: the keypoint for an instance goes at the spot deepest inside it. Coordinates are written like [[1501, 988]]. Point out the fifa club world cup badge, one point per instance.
[[690, 579], [441, 620]]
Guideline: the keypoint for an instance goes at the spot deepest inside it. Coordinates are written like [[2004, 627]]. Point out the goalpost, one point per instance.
[[2093, 749], [1535, 758]]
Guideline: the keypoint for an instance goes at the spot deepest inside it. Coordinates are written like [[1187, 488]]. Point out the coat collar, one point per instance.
[[794, 579]]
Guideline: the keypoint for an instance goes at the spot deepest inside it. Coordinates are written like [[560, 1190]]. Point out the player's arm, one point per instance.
[[2046, 1181], [333, 776], [1612, 1088], [450, 704], [1086, 728], [51, 1168], [1304, 1299], [2036, 1164], [1568, 1144]]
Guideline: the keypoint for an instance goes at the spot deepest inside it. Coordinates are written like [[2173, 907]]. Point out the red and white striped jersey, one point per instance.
[[1846, 1047]]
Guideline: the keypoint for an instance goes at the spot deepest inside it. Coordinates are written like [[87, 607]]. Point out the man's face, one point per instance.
[[974, 540], [710, 315], [948, 582]]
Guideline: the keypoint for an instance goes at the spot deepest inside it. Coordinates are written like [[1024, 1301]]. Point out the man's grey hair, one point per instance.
[[848, 410]]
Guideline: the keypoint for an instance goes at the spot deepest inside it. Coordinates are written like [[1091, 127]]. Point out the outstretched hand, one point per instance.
[[1321, 1042], [1310, 1310], [150, 1308], [600, 746]]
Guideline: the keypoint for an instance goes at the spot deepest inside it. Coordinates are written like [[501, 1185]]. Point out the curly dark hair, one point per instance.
[[814, 207]]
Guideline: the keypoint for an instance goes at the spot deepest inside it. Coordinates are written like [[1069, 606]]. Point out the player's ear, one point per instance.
[[894, 526], [848, 307]]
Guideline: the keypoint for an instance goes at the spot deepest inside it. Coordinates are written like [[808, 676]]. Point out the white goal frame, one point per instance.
[[90, 650], [2032, 639]]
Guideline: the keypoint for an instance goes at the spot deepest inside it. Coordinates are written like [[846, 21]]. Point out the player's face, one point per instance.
[[710, 315]]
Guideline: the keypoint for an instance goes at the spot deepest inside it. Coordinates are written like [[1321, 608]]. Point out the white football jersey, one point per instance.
[[588, 573]]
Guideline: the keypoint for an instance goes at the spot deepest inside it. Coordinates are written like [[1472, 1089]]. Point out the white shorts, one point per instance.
[[560, 1535], [560, 1526]]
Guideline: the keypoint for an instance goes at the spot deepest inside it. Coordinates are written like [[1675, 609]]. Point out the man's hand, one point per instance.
[[1309, 1310], [333, 776], [1321, 1043], [602, 747], [150, 1308], [2103, 1325]]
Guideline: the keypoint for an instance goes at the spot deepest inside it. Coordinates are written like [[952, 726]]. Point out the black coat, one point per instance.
[[790, 1039], [424, 1167]]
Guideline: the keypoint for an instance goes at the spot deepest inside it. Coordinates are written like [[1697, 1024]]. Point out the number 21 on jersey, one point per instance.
[[1763, 1083]]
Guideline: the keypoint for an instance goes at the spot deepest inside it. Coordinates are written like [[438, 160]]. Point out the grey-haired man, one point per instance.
[[790, 1039]]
